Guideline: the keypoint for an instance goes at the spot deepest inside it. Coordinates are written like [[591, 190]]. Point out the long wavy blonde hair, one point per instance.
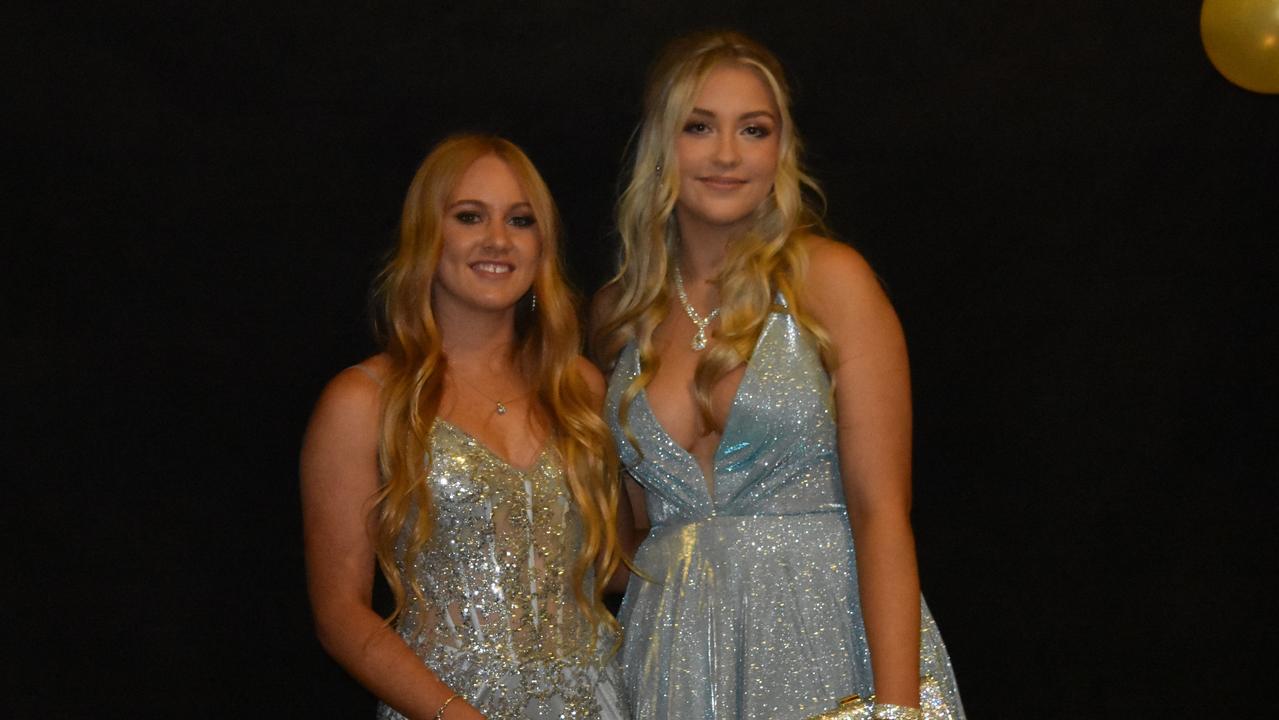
[[548, 343], [768, 260]]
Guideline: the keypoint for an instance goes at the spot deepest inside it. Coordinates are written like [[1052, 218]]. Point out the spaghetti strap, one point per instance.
[[372, 376]]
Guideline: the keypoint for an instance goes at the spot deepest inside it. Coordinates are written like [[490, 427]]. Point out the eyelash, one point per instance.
[[468, 217], [758, 132]]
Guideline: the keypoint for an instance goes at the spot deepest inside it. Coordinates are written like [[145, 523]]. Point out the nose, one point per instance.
[[726, 151], [498, 237]]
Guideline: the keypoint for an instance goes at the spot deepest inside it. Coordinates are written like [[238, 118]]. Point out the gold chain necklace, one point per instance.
[[501, 404]]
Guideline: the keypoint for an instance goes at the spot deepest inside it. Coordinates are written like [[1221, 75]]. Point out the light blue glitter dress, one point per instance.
[[751, 608]]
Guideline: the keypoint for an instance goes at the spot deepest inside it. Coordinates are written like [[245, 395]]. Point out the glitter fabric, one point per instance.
[[750, 608], [500, 623], [896, 712]]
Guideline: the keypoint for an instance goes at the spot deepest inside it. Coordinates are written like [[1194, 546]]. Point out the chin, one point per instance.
[[724, 216], [726, 219], [502, 304]]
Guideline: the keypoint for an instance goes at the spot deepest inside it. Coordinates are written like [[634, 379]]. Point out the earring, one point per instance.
[[533, 306], [659, 169]]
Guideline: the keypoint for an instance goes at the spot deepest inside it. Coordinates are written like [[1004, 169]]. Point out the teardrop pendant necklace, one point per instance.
[[501, 404], [699, 340]]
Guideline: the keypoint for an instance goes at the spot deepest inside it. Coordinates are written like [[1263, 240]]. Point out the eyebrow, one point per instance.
[[481, 203], [743, 116]]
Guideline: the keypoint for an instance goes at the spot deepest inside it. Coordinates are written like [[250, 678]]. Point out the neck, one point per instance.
[[702, 249], [699, 261], [479, 340]]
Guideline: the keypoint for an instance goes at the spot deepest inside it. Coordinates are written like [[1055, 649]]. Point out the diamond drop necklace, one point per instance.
[[699, 340]]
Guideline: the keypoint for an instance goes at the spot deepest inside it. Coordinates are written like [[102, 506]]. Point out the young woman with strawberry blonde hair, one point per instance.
[[469, 461]]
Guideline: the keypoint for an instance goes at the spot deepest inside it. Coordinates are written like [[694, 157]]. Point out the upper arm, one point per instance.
[[871, 373], [594, 380], [339, 477], [605, 299], [631, 508]]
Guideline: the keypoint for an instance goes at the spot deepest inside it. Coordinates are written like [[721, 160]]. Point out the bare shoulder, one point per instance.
[[593, 377], [340, 446], [603, 306], [839, 282], [378, 367], [834, 267], [354, 394], [605, 298]]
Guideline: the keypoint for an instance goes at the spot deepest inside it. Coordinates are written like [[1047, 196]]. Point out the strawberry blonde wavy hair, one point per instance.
[[767, 261], [548, 343]]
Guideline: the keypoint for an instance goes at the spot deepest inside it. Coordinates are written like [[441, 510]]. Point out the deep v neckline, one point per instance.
[[709, 484], [484, 448]]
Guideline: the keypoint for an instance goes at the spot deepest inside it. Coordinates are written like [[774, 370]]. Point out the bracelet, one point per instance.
[[884, 711], [440, 713]]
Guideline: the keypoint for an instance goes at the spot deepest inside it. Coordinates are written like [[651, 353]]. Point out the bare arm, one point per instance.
[[339, 477], [628, 535], [632, 515], [872, 397], [632, 528]]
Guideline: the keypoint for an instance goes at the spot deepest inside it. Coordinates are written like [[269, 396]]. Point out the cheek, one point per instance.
[[768, 157], [685, 153], [453, 242], [531, 245], [447, 258]]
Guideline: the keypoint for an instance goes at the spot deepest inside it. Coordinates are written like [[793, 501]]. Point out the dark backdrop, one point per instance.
[[1074, 213]]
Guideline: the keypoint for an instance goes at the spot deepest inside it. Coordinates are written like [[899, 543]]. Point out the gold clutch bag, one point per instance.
[[852, 707]]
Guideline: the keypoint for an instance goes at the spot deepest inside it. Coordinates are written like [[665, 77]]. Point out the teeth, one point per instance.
[[492, 267]]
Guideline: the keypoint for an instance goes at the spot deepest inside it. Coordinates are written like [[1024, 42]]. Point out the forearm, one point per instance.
[[632, 529], [339, 475], [359, 640], [889, 584], [618, 580], [629, 540]]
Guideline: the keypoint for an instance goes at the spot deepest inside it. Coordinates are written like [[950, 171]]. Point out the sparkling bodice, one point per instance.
[[777, 453], [499, 621]]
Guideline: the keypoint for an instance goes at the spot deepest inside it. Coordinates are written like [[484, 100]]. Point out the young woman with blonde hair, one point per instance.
[[759, 397], [469, 461]]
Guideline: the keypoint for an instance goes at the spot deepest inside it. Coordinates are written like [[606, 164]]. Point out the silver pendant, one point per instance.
[[699, 322], [699, 340], [501, 409]]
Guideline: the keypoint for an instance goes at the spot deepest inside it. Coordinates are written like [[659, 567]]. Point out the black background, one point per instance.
[[1074, 213]]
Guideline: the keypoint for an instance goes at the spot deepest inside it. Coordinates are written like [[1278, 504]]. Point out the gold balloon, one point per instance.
[[1242, 41]]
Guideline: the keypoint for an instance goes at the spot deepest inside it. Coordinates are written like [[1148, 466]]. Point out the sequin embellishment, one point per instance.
[[500, 623]]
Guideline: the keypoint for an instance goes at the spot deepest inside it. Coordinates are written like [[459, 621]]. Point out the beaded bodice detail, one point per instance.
[[498, 619]]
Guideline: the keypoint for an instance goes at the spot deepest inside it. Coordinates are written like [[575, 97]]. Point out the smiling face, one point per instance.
[[491, 242], [727, 150]]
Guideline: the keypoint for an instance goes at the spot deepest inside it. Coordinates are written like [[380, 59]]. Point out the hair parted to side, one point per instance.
[[768, 260], [548, 342]]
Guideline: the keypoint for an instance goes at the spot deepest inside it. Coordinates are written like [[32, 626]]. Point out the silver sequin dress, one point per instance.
[[751, 608], [500, 623]]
